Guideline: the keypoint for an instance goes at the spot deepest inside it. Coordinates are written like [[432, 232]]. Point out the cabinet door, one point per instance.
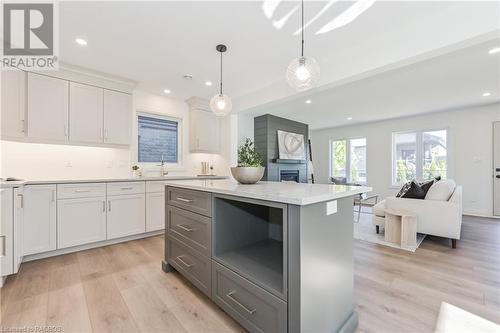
[[47, 108], [126, 215], [80, 221], [204, 130], [117, 117], [6, 232], [86, 113], [155, 211], [39, 227], [13, 103], [18, 227]]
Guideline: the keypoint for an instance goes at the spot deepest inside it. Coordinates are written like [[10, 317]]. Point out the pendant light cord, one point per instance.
[[221, 73], [302, 30]]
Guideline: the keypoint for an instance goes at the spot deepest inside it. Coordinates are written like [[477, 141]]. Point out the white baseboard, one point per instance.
[[482, 215], [90, 246]]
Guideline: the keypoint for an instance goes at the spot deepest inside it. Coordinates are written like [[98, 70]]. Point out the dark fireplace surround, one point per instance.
[[266, 143]]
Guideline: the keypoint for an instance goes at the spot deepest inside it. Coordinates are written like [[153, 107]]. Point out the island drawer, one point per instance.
[[122, 188], [191, 228], [195, 201], [191, 264], [81, 190], [253, 307]]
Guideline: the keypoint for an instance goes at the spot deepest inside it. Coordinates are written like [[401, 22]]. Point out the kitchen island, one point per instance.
[[277, 257]]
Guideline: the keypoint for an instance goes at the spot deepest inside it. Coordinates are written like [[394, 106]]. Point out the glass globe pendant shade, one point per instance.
[[221, 105], [303, 73]]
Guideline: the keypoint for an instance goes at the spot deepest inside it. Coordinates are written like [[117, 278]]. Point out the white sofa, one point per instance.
[[434, 217]]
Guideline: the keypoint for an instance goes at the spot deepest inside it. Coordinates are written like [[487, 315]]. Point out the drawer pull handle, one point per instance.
[[231, 297], [184, 199], [82, 191], [126, 188], [180, 226], [184, 263]]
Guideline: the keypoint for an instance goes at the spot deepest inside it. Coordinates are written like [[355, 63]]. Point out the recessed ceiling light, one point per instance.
[[494, 50], [187, 76], [349, 118], [208, 83], [308, 101], [166, 91], [486, 94], [81, 41]]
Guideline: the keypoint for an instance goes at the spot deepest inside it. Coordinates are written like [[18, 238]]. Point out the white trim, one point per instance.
[[154, 165], [91, 246]]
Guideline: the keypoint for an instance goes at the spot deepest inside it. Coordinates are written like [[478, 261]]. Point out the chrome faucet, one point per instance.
[[163, 170]]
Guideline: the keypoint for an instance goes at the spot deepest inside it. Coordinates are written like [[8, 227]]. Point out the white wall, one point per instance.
[[49, 161], [470, 147]]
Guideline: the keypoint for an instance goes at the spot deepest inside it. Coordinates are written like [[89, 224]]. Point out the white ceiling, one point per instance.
[[155, 43], [456, 79]]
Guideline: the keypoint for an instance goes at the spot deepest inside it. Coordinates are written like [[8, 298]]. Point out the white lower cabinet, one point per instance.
[[80, 221], [126, 215], [39, 226], [6, 232], [18, 227], [155, 211]]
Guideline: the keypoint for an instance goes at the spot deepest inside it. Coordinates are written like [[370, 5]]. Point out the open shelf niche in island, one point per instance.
[[249, 239]]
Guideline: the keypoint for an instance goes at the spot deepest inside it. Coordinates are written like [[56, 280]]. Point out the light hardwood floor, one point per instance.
[[121, 288]]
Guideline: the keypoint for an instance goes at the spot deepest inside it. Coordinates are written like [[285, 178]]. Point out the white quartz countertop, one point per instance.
[[291, 193], [7, 184]]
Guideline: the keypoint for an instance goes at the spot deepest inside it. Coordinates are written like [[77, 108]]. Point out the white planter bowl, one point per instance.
[[248, 175]]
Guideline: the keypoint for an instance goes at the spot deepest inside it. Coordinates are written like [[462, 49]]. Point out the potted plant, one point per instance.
[[249, 169]]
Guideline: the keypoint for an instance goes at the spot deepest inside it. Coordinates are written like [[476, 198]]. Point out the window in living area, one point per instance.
[[419, 155], [158, 138], [348, 160]]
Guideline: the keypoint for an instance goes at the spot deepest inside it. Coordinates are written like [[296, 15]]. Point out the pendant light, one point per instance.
[[221, 104], [302, 72]]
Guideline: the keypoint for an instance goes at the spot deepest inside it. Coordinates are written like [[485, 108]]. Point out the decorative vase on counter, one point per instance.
[[249, 169], [248, 175]]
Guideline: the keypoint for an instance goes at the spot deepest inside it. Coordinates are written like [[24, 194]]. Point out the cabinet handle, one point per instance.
[[66, 130], [3, 246], [23, 126], [126, 188], [53, 198], [109, 205], [184, 263], [21, 200], [230, 296], [101, 134], [105, 134], [82, 191], [180, 226], [104, 206], [184, 200]]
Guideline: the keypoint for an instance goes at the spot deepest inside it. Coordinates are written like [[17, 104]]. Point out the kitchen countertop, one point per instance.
[[8, 184], [292, 193]]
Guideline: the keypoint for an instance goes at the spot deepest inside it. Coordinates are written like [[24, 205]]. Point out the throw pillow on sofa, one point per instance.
[[441, 190], [414, 192]]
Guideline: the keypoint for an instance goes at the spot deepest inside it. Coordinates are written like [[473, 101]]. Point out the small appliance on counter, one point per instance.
[[206, 169]]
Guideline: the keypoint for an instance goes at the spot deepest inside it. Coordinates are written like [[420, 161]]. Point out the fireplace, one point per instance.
[[289, 176]]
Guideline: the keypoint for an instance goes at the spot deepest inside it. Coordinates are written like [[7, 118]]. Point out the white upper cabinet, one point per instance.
[[47, 108], [13, 103], [117, 117], [204, 127], [86, 113]]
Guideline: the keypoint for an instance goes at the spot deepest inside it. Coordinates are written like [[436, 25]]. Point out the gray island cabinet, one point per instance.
[[277, 257]]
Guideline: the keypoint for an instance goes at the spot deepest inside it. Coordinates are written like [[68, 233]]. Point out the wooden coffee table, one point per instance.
[[401, 228]]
